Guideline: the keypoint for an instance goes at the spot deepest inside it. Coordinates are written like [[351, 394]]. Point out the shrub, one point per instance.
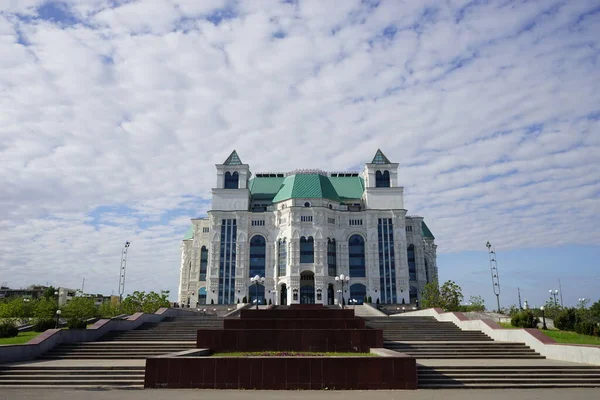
[[585, 327], [43, 324], [76, 323], [524, 319], [566, 319], [8, 329]]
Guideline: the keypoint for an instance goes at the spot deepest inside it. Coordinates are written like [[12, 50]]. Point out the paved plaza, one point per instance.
[[150, 394]]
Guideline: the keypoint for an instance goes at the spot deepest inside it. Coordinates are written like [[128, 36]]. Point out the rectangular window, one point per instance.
[[282, 257], [387, 265], [260, 222], [408, 228], [355, 222], [227, 261], [205, 230], [331, 220], [306, 218]]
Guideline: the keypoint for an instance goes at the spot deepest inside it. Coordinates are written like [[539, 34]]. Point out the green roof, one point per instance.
[[189, 235], [265, 188], [425, 231], [310, 186], [233, 159], [348, 187], [380, 158]]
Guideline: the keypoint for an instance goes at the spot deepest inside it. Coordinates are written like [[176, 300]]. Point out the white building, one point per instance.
[[301, 229]]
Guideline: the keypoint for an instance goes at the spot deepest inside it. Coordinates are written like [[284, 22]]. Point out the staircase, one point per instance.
[[507, 377], [103, 363], [169, 336], [458, 359], [70, 377]]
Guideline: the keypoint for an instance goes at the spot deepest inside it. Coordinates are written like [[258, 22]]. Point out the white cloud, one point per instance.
[[487, 109]]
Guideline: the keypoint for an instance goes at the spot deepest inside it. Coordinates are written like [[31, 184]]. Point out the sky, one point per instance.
[[113, 114]]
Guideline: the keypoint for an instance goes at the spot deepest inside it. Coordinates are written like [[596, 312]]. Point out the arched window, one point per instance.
[[282, 262], [356, 253], [203, 262], [283, 295], [231, 180], [331, 258], [358, 292], [307, 250], [382, 179], [412, 266], [258, 248], [257, 293], [202, 295]]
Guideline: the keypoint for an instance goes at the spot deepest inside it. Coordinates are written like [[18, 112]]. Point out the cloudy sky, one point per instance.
[[113, 114]]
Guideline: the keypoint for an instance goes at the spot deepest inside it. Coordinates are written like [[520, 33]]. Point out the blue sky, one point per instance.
[[115, 112]]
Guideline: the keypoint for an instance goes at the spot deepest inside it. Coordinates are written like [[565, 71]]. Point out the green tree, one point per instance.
[[147, 303], [430, 297], [16, 307], [44, 308], [451, 296], [108, 310], [595, 309], [49, 293], [80, 308], [477, 303]]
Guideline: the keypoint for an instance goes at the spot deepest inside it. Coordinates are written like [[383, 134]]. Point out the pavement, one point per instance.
[[177, 394]]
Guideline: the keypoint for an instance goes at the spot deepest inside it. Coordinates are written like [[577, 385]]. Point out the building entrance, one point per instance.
[[307, 287]]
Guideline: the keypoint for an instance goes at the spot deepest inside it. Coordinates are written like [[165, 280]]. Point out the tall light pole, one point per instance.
[[494, 271], [122, 271], [554, 295], [341, 279], [256, 280]]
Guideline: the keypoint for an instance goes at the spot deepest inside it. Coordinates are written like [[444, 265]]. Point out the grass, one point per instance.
[[288, 354], [507, 325], [572, 337], [23, 337]]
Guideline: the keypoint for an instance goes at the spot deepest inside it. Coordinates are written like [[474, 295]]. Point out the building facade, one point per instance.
[[300, 230]]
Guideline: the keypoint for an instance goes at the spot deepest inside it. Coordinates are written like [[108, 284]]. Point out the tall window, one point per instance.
[[307, 250], [203, 262], [331, 258], [227, 262], [412, 266], [426, 270], [231, 180], [387, 262], [282, 262], [258, 250], [382, 179], [356, 252]]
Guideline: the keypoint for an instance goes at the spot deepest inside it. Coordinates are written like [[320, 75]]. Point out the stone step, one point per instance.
[[98, 377], [38, 372], [474, 355], [67, 383], [537, 385]]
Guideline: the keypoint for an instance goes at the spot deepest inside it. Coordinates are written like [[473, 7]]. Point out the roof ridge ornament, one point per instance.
[[233, 159], [380, 158]]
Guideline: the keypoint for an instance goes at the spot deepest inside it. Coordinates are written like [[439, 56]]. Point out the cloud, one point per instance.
[[115, 112]]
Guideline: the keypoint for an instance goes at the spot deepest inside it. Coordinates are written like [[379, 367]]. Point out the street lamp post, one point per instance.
[[583, 302], [58, 312], [554, 294], [543, 318], [256, 280], [342, 278]]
